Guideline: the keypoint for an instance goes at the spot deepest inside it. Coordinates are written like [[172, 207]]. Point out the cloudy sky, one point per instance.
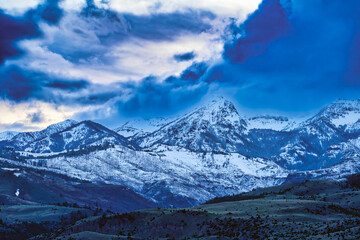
[[110, 60]]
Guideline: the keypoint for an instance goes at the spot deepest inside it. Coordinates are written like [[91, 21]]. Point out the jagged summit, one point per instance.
[[216, 126], [219, 109]]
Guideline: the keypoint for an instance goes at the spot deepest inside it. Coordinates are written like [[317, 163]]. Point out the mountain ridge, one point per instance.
[[211, 151]]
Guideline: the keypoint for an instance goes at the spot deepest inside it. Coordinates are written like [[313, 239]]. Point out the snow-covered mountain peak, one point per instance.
[[218, 111], [4, 136], [340, 107], [216, 126], [66, 135], [83, 128], [339, 113], [58, 127], [24, 138]]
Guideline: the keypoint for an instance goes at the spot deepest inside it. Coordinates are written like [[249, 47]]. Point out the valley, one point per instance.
[[310, 210]]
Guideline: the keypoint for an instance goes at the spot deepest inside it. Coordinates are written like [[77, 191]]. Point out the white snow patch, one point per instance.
[[271, 123], [10, 169], [348, 119], [141, 126]]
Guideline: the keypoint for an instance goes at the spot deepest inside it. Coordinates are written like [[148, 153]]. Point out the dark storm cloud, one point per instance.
[[294, 55], [96, 97], [168, 26], [267, 24], [161, 26], [151, 97], [189, 76], [18, 85], [15, 85], [49, 12], [101, 29], [67, 85], [194, 72], [184, 57], [35, 117], [12, 30]]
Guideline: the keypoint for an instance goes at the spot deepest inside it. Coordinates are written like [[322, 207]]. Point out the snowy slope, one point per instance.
[[276, 123], [81, 135], [336, 124], [172, 176], [340, 113], [141, 127], [337, 172], [306, 144], [22, 139], [344, 116]]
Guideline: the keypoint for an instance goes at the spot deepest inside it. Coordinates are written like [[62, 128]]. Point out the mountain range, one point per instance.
[[212, 151]]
